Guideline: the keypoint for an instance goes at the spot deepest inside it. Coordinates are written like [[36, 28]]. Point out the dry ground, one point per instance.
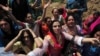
[[91, 4]]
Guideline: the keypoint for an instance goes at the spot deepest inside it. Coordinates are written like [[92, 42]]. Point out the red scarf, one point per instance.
[[57, 47]]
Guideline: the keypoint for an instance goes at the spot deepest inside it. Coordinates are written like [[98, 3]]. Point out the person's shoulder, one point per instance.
[[47, 37]]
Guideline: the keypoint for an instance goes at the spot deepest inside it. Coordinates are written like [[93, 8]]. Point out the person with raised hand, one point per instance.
[[92, 50], [24, 42], [56, 39], [7, 31], [36, 52], [29, 22]]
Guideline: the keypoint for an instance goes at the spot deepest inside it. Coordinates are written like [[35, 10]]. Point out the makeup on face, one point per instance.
[[56, 27]]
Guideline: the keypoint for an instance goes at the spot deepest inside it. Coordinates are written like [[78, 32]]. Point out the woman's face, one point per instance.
[[97, 35], [29, 18], [48, 21], [70, 21], [44, 27], [55, 12], [4, 25], [26, 38], [56, 27]]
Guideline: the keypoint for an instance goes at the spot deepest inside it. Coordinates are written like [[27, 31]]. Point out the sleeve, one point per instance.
[[31, 54], [79, 30], [67, 36], [39, 51], [7, 53], [77, 39]]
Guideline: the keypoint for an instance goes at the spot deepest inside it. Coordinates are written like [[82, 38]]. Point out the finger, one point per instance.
[[96, 40], [92, 42]]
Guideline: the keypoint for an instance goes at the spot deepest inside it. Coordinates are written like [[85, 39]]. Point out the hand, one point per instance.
[[29, 29], [94, 41], [46, 5], [32, 32], [5, 8], [91, 40], [20, 33]]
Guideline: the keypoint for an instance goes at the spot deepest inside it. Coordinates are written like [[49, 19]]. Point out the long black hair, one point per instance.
[[69, 16], [51, 27], [8, 37], [10, 23], [96, 28], [30, 36]]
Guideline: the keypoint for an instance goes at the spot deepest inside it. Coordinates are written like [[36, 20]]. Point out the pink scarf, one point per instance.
[[92, 26]]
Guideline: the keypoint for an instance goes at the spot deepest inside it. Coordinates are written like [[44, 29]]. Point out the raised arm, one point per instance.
[[44, 9], [11, 16], [32, 32], [10, 44], [34, 4], [38, 40], [40, 51]]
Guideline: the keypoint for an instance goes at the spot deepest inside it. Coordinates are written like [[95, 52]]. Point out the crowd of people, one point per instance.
[[25, 30]]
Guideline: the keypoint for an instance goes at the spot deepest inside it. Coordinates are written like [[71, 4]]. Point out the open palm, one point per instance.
[[46, 5], [5, 8]]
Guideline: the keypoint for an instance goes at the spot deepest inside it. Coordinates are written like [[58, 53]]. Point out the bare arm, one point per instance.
[[10, 44], [80, 40], [32, 32], [11, 16], [44, 9], [33, 5], [71, 10], [37, 39]]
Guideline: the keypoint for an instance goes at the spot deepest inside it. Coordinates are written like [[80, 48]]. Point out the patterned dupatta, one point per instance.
[[56, 46]]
